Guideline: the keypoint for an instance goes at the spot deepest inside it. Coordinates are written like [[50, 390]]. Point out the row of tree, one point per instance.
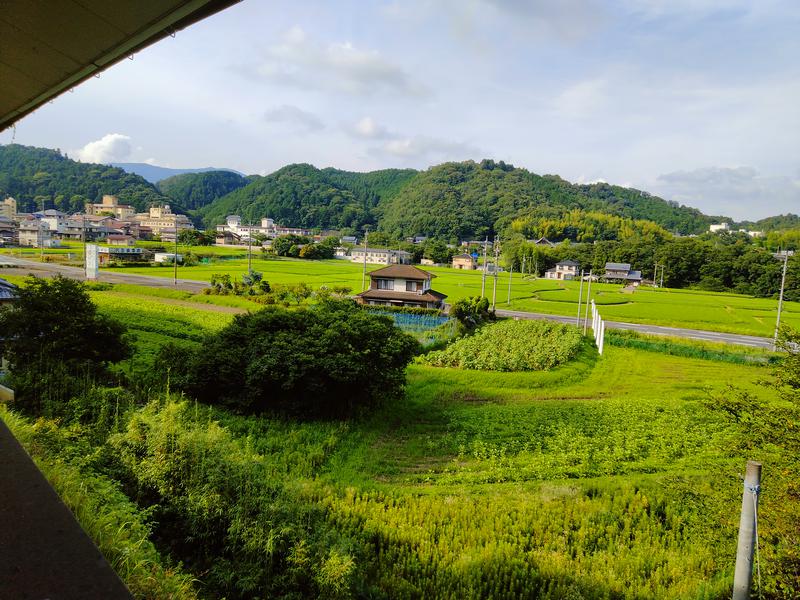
[[715, 263]]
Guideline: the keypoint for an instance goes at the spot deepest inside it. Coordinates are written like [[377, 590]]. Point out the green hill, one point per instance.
[[196, 190], [37, 176], [304, 196], [472, 200]]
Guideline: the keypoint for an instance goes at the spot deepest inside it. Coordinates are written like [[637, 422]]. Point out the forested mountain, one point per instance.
[[304, 196], [154, 173], [195, 190], [776, 223], [39, 177], [472, 200]]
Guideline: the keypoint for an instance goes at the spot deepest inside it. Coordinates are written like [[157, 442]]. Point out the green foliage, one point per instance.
[[304, 196], [787, 372], [329, 361], [196, 190], [511, 346], [193, 237], [54, 330], [688, 348], [41, 178], [117, 526], [469, 200], [289, 245], [471, 312]]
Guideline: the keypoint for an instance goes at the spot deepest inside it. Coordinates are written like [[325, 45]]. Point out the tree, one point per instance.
[[471, 312], [53, 328], [787, 372], [193, 237], [328, 361]]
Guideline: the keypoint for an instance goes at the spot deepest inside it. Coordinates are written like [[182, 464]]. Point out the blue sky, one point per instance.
[[694, 100]]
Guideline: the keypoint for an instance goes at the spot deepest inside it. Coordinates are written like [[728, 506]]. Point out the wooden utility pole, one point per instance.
[[175, 257], [780, 302], [249, 248], [483, 276], [580, 298], [588, 298], [523, 266], [494, 285], [748, 532], [364, 273]]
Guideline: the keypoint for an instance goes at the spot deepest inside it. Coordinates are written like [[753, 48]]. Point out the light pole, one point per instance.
[[780, 300]]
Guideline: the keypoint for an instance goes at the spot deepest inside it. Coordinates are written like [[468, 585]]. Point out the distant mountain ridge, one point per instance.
[[154, 173]]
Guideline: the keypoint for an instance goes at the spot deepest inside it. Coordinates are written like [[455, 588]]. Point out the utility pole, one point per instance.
[[588, 298], [580, 298], [175, 257], [483, 276], [523, 266], [364, 274], [83, 239], [661, 285], [494, 285], [655, 274], [510, 277], [780, 301], [748, 532], [249, 248]]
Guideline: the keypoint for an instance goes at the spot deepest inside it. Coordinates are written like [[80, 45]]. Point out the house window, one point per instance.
[[385, 284], [413, 286]]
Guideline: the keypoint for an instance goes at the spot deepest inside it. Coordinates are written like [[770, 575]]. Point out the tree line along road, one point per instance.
[[25, 267]]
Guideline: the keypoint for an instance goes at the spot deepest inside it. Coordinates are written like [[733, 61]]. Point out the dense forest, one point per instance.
[[472, 200], [302, 195], [42, 178], [196, 190]]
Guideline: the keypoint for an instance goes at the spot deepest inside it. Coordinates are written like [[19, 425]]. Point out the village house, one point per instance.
[[464, 261], [162, 222], [111, 206], [8, 208], [119, 239], [8, 232], [380, 256], [542, 241], [565, 270], [36, 234], [622, 273], [401, 285], [233, 225]]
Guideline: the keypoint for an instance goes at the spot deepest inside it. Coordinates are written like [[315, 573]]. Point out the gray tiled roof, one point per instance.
[[8, 291]]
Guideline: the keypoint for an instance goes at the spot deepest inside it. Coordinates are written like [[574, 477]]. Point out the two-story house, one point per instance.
[[622, 273], [565, 270], [401, 285], [380, 256], [465, 261]]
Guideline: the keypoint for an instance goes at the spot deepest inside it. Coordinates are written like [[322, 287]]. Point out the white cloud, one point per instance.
[[294, 117], [368, 128], [739, 192], [427, 148], [112, 147], [341, 66]]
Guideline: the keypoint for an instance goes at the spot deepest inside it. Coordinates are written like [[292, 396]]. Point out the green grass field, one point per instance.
[[676, 308], [607, 477]]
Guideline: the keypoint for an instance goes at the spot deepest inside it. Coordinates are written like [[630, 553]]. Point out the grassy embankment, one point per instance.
[[606, 477]]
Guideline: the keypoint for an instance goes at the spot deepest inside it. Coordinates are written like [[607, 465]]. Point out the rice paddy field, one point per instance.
[[692, 309], [606, 477]]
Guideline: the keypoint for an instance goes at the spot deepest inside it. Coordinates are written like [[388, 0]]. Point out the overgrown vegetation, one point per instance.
[[329, 361], [510, 346]]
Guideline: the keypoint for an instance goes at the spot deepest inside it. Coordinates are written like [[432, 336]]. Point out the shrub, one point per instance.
[[511, 346], [329, 361]]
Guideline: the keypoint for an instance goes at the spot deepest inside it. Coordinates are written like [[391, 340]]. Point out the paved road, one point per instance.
[[694, 334], [189, 285], [26, 267]]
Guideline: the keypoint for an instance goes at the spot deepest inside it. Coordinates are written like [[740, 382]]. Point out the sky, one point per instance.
[[697, 101]]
